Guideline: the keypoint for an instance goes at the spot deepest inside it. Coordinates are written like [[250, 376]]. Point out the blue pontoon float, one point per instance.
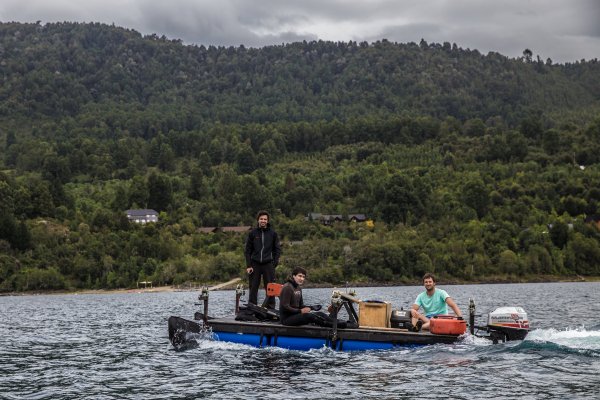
[[382, 330]]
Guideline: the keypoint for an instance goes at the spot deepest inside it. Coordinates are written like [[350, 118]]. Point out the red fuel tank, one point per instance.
[[447, 325]]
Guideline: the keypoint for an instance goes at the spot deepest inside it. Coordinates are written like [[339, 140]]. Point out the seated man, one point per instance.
[[433, 301], [292, 310]]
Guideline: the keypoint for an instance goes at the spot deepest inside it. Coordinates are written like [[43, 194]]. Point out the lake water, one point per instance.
[[116, 346]]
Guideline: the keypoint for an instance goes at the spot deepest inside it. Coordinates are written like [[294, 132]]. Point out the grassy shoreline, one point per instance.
[[157, 289], [226, 286]]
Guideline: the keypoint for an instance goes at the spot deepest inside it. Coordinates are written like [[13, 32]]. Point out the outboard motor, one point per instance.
[[508, 323], [504, 323]]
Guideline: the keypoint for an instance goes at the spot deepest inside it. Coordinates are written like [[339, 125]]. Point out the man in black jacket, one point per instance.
[[293, 311], [262, 256]]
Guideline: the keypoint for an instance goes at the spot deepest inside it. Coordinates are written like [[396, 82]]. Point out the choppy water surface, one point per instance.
[[116, 346]]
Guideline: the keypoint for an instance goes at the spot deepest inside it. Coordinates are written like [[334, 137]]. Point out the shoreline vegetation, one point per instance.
[[127, 159], [230, 285]]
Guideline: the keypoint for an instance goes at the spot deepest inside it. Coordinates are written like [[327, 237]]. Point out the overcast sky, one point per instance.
[[563, 30]]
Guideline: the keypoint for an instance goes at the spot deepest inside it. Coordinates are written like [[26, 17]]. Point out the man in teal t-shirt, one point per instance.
[[433, 302]]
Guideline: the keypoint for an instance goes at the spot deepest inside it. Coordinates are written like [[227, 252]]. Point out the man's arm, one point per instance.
[[453, 306], [248, 249], [285, 298], [414, 312], [303, 308], [276, 249]]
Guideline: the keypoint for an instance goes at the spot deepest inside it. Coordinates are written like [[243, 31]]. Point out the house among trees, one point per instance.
[[236, 229], [313, 217], [207, 229], [142, 216], [332, 218], [329, 219], [233, 229], [357, 217]]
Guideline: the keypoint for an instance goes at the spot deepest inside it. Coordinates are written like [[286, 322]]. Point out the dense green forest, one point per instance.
[[475, 167]]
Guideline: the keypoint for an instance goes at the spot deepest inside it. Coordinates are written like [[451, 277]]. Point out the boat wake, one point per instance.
[[571, 340], [582, 341], [208, 344]]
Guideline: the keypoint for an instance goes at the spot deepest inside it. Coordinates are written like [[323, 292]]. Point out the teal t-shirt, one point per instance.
[[435, 304]]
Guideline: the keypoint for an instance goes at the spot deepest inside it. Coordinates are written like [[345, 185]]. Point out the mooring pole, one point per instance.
[[239, 292], [336, 302], [204, 298], [471, 316]]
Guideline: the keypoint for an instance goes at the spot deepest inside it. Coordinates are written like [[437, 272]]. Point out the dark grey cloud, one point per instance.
[[225, 23], [590, 15], [562, 30]]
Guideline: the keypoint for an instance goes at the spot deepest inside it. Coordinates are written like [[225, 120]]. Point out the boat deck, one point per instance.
[[262, 334]]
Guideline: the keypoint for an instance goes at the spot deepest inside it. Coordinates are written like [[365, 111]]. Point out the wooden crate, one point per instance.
[[374, 314]]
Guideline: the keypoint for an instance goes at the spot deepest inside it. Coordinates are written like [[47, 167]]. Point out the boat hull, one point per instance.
[[182, 332]]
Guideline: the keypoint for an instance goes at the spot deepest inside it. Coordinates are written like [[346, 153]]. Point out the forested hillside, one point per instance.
[[475, 167]]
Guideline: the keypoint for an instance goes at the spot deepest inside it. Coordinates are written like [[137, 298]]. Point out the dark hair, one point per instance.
[[262, 212], [298, 270], [427, 276]]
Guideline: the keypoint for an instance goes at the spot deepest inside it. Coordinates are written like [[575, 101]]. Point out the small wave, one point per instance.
[[578, 336], [216, 345], [472, 340], [207, 342], [579, 340]]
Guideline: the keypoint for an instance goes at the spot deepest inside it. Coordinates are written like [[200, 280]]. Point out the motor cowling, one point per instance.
[[512, 317], [511, 323]]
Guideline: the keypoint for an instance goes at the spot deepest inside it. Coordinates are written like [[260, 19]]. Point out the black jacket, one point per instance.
[[262, 246], [290, 300]]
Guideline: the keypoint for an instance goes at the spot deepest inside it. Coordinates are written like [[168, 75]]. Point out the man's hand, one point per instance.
[[305, 310], [249, 270]]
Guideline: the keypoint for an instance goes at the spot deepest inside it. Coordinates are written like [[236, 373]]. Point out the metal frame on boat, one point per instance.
[[306, 337], [184, 333]]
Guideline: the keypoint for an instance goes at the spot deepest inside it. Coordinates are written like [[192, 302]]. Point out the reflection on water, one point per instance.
[[116, 346]]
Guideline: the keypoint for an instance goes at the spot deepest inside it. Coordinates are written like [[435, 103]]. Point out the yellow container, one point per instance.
[[374, 314]]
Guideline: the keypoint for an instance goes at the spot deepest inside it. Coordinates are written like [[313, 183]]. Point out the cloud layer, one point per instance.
[[564, 31]]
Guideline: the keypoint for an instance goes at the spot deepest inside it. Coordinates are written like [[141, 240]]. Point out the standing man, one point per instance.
[[262, 256], [433, 302]]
